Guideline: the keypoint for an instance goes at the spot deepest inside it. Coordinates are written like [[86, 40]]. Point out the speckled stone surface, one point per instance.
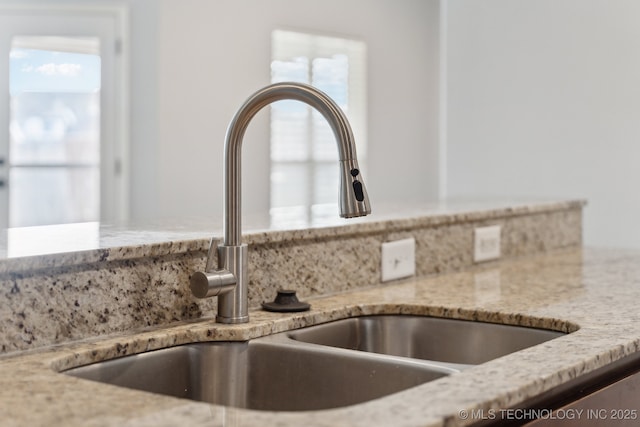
[[590, 293], [144, 282], [45, 247]]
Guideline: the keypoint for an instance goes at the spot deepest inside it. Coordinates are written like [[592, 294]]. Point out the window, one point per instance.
[[54, 128], [63, 114], [304, 158]]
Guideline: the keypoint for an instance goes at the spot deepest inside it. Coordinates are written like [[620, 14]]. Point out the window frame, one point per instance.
[[287, 45]]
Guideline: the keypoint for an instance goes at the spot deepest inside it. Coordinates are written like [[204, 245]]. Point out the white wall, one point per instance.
[[144, 129], [193, 62], [213, 54], [541, 97], [544, 101]]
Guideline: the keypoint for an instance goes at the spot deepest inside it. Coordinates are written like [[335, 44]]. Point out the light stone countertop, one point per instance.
[[51, 246], [593, 292]]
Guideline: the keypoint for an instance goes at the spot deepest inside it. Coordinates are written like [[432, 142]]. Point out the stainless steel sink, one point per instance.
[[317, 367], [272, 373], [429, 338]]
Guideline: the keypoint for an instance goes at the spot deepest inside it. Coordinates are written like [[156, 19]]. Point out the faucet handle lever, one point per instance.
[[213, 280], [213, 261]]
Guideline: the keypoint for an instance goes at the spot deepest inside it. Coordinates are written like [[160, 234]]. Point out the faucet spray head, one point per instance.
[[354, 200]]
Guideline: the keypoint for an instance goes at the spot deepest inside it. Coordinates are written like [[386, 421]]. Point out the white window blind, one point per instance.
[[304, 157]]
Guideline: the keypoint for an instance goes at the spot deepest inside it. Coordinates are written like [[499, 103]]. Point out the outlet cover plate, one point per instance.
[[398, 259], [486, 243]]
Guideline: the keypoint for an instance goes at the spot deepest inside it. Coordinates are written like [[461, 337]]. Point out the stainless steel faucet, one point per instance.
[[229, 280]]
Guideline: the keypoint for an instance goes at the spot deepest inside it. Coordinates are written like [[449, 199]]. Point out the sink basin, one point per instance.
[[316, 367], [429, 338], [272, 373]]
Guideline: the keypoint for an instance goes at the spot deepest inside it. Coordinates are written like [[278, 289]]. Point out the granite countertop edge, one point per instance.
[[124, 244]]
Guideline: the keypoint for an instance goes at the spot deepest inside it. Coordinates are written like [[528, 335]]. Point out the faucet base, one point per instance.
[[233, 305], [232, 320]]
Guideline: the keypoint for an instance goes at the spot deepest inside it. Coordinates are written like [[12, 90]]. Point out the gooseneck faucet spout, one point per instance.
[[230, 280]]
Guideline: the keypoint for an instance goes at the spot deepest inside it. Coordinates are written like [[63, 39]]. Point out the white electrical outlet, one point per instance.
[[398, 259], [486, 243]]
